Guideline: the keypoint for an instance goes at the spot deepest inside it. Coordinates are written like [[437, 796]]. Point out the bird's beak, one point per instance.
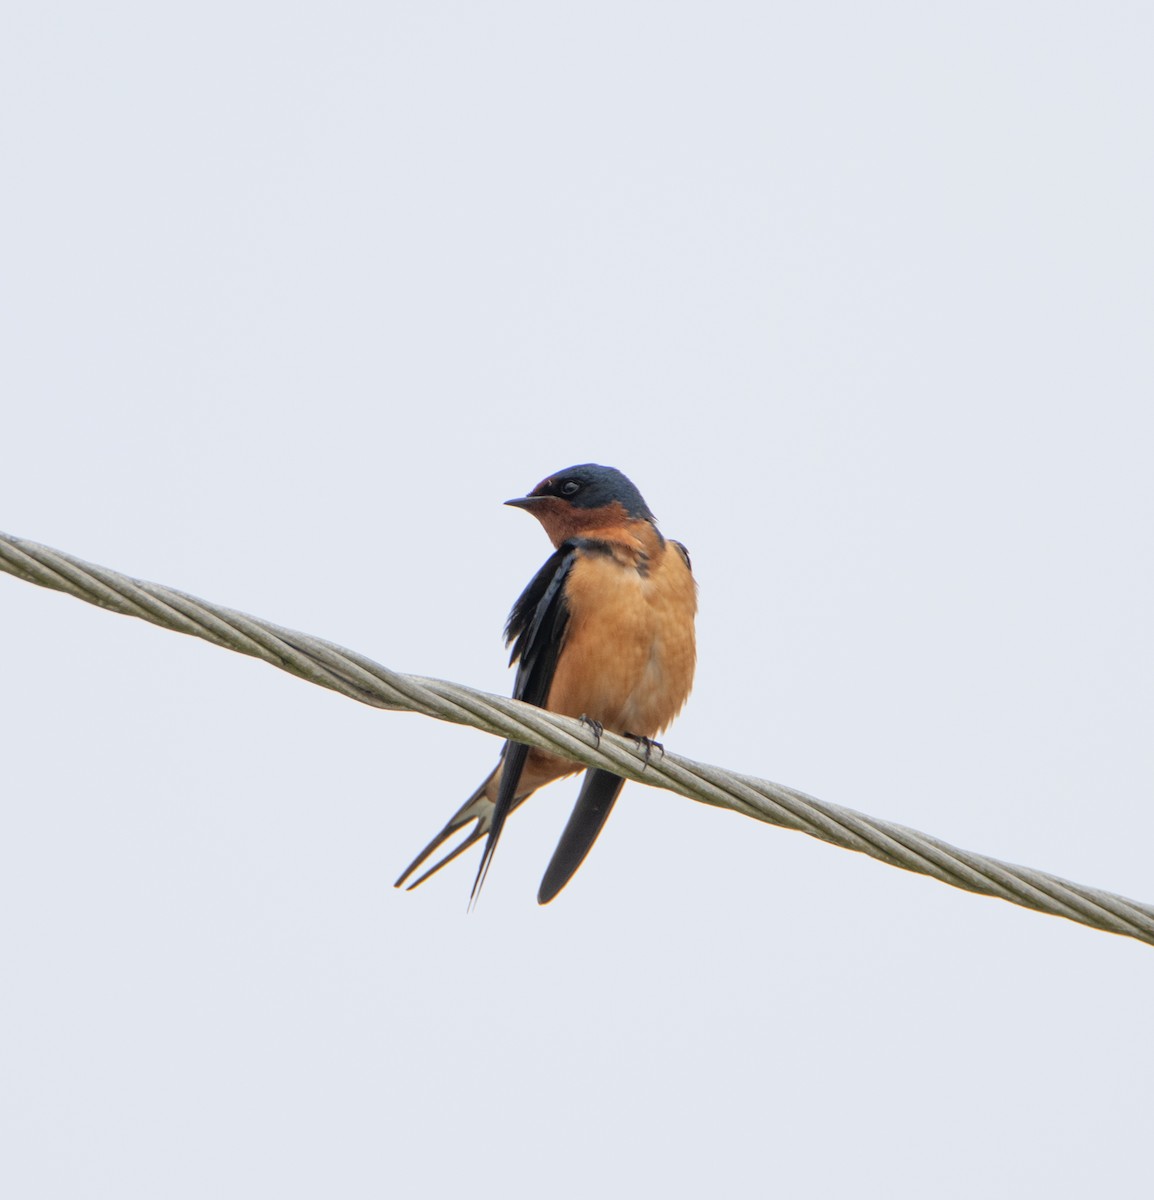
[[526, 502]]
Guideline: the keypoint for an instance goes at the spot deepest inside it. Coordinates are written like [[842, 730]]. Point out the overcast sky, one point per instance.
[[293, 297]]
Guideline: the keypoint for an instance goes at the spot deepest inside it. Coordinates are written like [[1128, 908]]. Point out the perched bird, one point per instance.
[[604, 632]]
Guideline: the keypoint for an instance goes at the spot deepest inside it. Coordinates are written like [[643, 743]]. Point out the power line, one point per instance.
[[361, 679]]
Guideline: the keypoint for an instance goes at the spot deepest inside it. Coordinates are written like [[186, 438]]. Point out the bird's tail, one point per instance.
[[479, 809]]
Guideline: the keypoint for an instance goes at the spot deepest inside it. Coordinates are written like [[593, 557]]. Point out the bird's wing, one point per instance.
[[594, 804], [536, 628]]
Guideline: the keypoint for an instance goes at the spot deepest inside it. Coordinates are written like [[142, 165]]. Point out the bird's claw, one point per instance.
[[648, 745], [595, 728]]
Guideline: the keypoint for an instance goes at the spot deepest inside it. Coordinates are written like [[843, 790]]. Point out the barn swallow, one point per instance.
[[604, 632]]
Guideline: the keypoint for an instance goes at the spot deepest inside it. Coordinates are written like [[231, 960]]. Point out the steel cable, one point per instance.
[[361, 679]]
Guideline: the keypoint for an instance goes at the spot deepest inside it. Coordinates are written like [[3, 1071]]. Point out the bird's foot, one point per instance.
[[646, 744], [595, 728]]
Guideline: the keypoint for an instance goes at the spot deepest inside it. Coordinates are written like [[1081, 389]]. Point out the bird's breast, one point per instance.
[[629, 651]]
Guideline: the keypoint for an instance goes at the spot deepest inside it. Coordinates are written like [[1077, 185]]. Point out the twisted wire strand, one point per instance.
[[358, 677]]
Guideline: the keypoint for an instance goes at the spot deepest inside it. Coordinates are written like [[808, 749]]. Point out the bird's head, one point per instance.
[[579, 499]]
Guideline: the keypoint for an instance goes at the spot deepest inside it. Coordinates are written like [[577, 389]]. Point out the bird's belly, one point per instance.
[[629, 650]]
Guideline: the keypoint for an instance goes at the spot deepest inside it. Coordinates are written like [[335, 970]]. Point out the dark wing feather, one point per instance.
[[594, 804], [536, 627]]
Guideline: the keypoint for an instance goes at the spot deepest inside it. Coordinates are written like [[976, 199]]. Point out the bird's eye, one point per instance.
[[570, 487]]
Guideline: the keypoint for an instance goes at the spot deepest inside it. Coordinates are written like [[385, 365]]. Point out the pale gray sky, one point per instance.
[[293, 297]]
